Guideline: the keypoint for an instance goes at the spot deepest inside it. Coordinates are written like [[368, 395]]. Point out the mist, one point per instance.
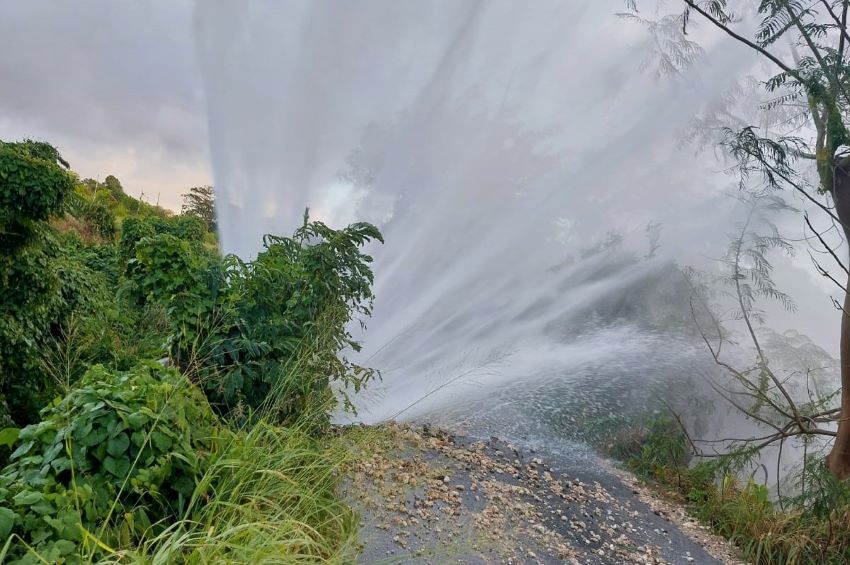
[[517, 159]]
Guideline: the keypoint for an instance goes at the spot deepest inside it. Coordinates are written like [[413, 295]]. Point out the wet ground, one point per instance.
[[426, 496]]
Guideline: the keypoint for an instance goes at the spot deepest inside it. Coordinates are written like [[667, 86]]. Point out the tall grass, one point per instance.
[[269, 494], [814, 528]]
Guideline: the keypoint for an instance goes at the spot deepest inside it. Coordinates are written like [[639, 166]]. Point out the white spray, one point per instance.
[[491, 142]]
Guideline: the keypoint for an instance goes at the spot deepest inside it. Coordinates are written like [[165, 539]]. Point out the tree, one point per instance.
[[200, 202], [812, 82], [114, 186], [760, 391], [270, 332], [34, 182]]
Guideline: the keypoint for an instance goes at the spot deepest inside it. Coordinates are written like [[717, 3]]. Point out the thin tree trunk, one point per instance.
[[838, 460]]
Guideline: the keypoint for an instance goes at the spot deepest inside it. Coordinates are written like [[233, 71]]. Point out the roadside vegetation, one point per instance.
[[783, 134], [809, 527], [160, 403], [776, 511]]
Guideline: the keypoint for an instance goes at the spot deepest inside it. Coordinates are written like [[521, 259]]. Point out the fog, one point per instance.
[[513, 154]]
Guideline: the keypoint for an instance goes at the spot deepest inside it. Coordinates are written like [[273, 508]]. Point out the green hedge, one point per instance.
[[121, 453]]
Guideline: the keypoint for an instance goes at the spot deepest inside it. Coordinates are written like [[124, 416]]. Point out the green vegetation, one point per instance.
[[200, 202], [133, 440], [160, 402], [808, 528], [34, 296], [796, 141], [787, 129], [259, 316]]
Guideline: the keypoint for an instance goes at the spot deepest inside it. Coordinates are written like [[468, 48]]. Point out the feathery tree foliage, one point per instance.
[[200, 202], [806, 42]]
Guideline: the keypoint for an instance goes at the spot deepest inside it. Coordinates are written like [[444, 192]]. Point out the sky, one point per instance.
[[114, 85], [117, 87]]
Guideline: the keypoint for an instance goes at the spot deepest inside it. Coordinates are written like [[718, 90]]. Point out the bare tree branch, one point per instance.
[[825, 246], [842, 24], [778, 62]]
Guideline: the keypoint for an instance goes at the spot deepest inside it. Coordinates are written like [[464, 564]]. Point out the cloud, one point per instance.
[[113, 84]]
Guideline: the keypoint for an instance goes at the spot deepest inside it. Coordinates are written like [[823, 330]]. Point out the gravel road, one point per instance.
[[427, 496]]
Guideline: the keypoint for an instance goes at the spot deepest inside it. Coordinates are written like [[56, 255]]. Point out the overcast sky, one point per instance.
[[114, 85]]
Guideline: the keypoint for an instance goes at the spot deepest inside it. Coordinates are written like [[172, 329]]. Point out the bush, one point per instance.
[[238, 328], [43, 285], [187, 228], [134, 229], [34, 181], [33, 185], [297, 298], [101, 219], [275, 501], [811, 528], [119, 454], [28, 299]]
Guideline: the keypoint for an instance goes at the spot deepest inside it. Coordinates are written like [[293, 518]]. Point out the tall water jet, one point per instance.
[[516, 157]]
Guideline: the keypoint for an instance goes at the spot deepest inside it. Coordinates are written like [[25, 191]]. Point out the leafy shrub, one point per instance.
[[91, 323], [121, 452], [169, 269], [33, 298], [33, 184], [101, 219], [298, 296], [134, 229], [43, 285], [185, 227], [102, 259], [237, 328], [33, 181], [28, 298]]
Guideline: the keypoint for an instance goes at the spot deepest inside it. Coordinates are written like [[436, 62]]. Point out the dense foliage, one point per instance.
[[238, 328], [35, 182], [200, 202], [121, 449], [107, 449], [34, 298]]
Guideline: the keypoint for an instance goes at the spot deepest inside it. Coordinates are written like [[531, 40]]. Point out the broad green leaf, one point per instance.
[[94, 437], [118, 445], [7, 522], [117, 466], [161, 441], [8, 437], [22, 449], [137, 419], [28, 497]]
